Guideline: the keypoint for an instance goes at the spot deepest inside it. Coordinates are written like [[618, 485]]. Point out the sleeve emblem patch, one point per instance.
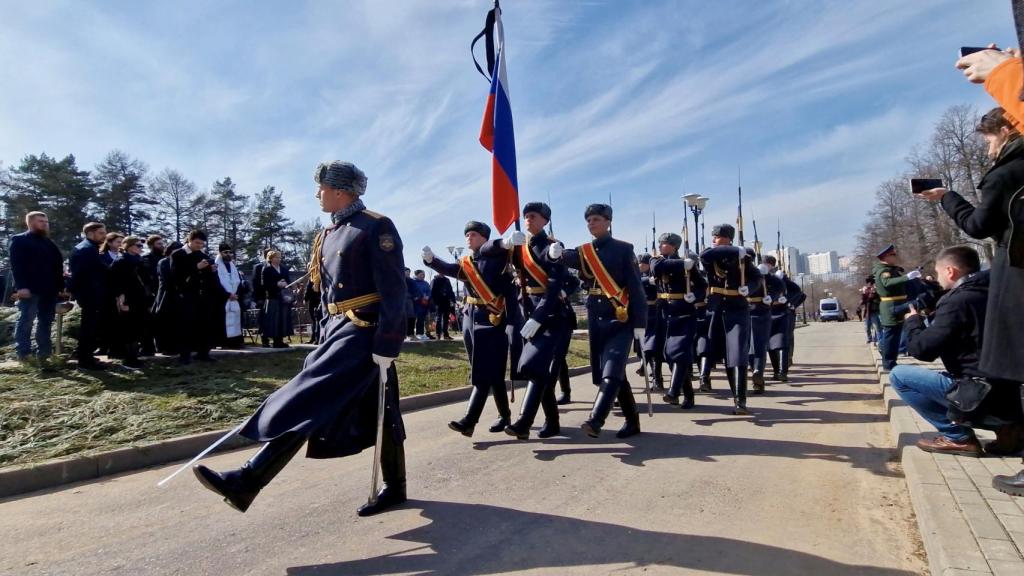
[[387, 242]]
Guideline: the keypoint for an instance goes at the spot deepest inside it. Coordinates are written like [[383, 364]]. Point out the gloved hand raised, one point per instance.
[[515, 238], [742, 252], [782, 300], [689, 297], [780, 274], [555, 250], [762, 268], [767, 300], [530, 329], [744, 291], [428, 254], [688, 264], [914, 274], [383, 362], [652, 280]]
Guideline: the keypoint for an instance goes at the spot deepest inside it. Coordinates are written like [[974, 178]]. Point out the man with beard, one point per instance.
[[89, 287], [197, 289], [38, 270], [230, 279]]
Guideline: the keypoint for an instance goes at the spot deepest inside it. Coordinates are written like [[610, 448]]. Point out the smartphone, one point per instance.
[[918, 185], [965, 50]]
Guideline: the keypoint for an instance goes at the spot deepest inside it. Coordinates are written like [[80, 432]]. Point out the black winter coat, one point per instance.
[[1001, 192], [956, 332]]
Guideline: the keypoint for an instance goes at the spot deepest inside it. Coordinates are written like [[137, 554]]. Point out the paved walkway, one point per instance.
[[968, 528], [807, 485]]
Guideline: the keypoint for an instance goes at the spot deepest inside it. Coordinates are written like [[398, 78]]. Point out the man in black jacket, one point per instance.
[[38, 270], [444, 298], [89, 286], [198, 290], [954, 335]]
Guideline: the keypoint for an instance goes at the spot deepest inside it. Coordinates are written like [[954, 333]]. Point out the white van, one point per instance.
[[829, 309]]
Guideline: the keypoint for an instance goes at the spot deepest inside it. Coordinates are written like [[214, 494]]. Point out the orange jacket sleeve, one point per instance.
[[1004, 84]]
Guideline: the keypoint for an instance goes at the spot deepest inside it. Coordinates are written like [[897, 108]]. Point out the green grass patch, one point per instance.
[[65, 412]]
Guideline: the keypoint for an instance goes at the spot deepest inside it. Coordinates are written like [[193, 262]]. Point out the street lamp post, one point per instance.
[[696, 203]]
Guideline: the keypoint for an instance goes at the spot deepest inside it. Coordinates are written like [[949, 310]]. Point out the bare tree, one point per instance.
[[175, 196]]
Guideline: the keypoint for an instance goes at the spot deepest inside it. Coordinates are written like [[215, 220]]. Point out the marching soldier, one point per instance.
[[731, 277], [488, 295], [616, 315], [653, 342], [546, 333], [795, 298], [890, 283], [332, 403], [781, 310], [762, 303], [681, 293]]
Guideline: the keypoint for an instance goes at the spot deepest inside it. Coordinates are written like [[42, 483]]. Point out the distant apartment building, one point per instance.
[[823, 263], [846, 263], [794, 262]]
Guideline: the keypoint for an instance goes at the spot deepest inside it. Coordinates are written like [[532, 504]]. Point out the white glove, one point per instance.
[[689, 297], [744, 291], [530, 328], [555, 250], [652, 280], [780, 274], [782, 300], [914, 274], [515, 238], [383, 362], [688, 264], [742, 252], [428, 254], [762, 268], [767, 300], [638, 333]]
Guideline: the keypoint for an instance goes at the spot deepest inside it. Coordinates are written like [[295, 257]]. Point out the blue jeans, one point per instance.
[[889, 345], [925, 390], [40, 309], [872, 320]]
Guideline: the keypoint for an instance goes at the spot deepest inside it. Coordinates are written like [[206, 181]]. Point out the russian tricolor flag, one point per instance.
[[497, 137]]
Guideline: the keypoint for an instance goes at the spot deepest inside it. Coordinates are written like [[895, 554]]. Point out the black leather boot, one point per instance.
[[563, 383], [657, 383], [705, 375], [240, 487], [687, 392], [531, 402], [773, 355], [501, 403], [672, 396], [602, 406], [629, 411], [477, 399], [787, 359], [739, 377], [551, 426], [392, 467], [1013, 485]]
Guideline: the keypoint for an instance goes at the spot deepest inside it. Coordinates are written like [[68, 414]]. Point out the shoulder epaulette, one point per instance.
[[372, 214]]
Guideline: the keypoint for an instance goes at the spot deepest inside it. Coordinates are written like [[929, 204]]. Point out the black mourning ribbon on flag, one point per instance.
[[488, 34]]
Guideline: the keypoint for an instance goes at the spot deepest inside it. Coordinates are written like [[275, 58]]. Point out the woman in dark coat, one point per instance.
[[131, 298], [1001, 192], [278, 306]]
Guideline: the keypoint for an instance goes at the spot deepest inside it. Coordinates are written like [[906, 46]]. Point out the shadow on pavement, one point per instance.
[[481, 539], [650, 446]]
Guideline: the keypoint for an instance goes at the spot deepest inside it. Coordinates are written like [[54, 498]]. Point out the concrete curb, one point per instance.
[[21, 479], [948, 541]]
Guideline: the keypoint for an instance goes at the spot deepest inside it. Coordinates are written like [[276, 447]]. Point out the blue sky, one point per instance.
[[818, 101]]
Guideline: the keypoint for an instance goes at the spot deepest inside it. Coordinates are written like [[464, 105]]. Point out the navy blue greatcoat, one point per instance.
[[333, 400], [610, 339], [654, 335], [761, 318], [678, 317], [728, 314]]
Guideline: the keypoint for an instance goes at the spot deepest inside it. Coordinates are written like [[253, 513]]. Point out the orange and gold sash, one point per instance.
[[533, 268], [618, 297], [495, 304]]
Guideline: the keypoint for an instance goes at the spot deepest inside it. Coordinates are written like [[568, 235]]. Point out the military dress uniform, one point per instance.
[[332, 402], [762, 301], [653, 343], [489, 297], [890, 283], [729, 314], [782, 360], [543, 298], [616, 306], [681, 297]]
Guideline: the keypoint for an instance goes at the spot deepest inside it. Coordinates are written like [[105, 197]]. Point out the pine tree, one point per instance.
[[228, 214], [121, 200], [268, 224], [56, 187], [175, 196]]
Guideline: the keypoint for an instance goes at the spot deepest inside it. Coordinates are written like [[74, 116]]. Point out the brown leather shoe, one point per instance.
[[1009, 441], [942, 445]]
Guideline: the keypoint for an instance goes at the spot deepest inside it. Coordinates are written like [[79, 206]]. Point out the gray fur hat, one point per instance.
[[341, 175], [670, 238]]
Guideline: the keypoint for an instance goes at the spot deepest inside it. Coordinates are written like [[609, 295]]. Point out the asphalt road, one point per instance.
[[806, 485]]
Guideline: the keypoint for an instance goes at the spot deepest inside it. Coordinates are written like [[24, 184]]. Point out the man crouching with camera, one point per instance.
[[953, 333]]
